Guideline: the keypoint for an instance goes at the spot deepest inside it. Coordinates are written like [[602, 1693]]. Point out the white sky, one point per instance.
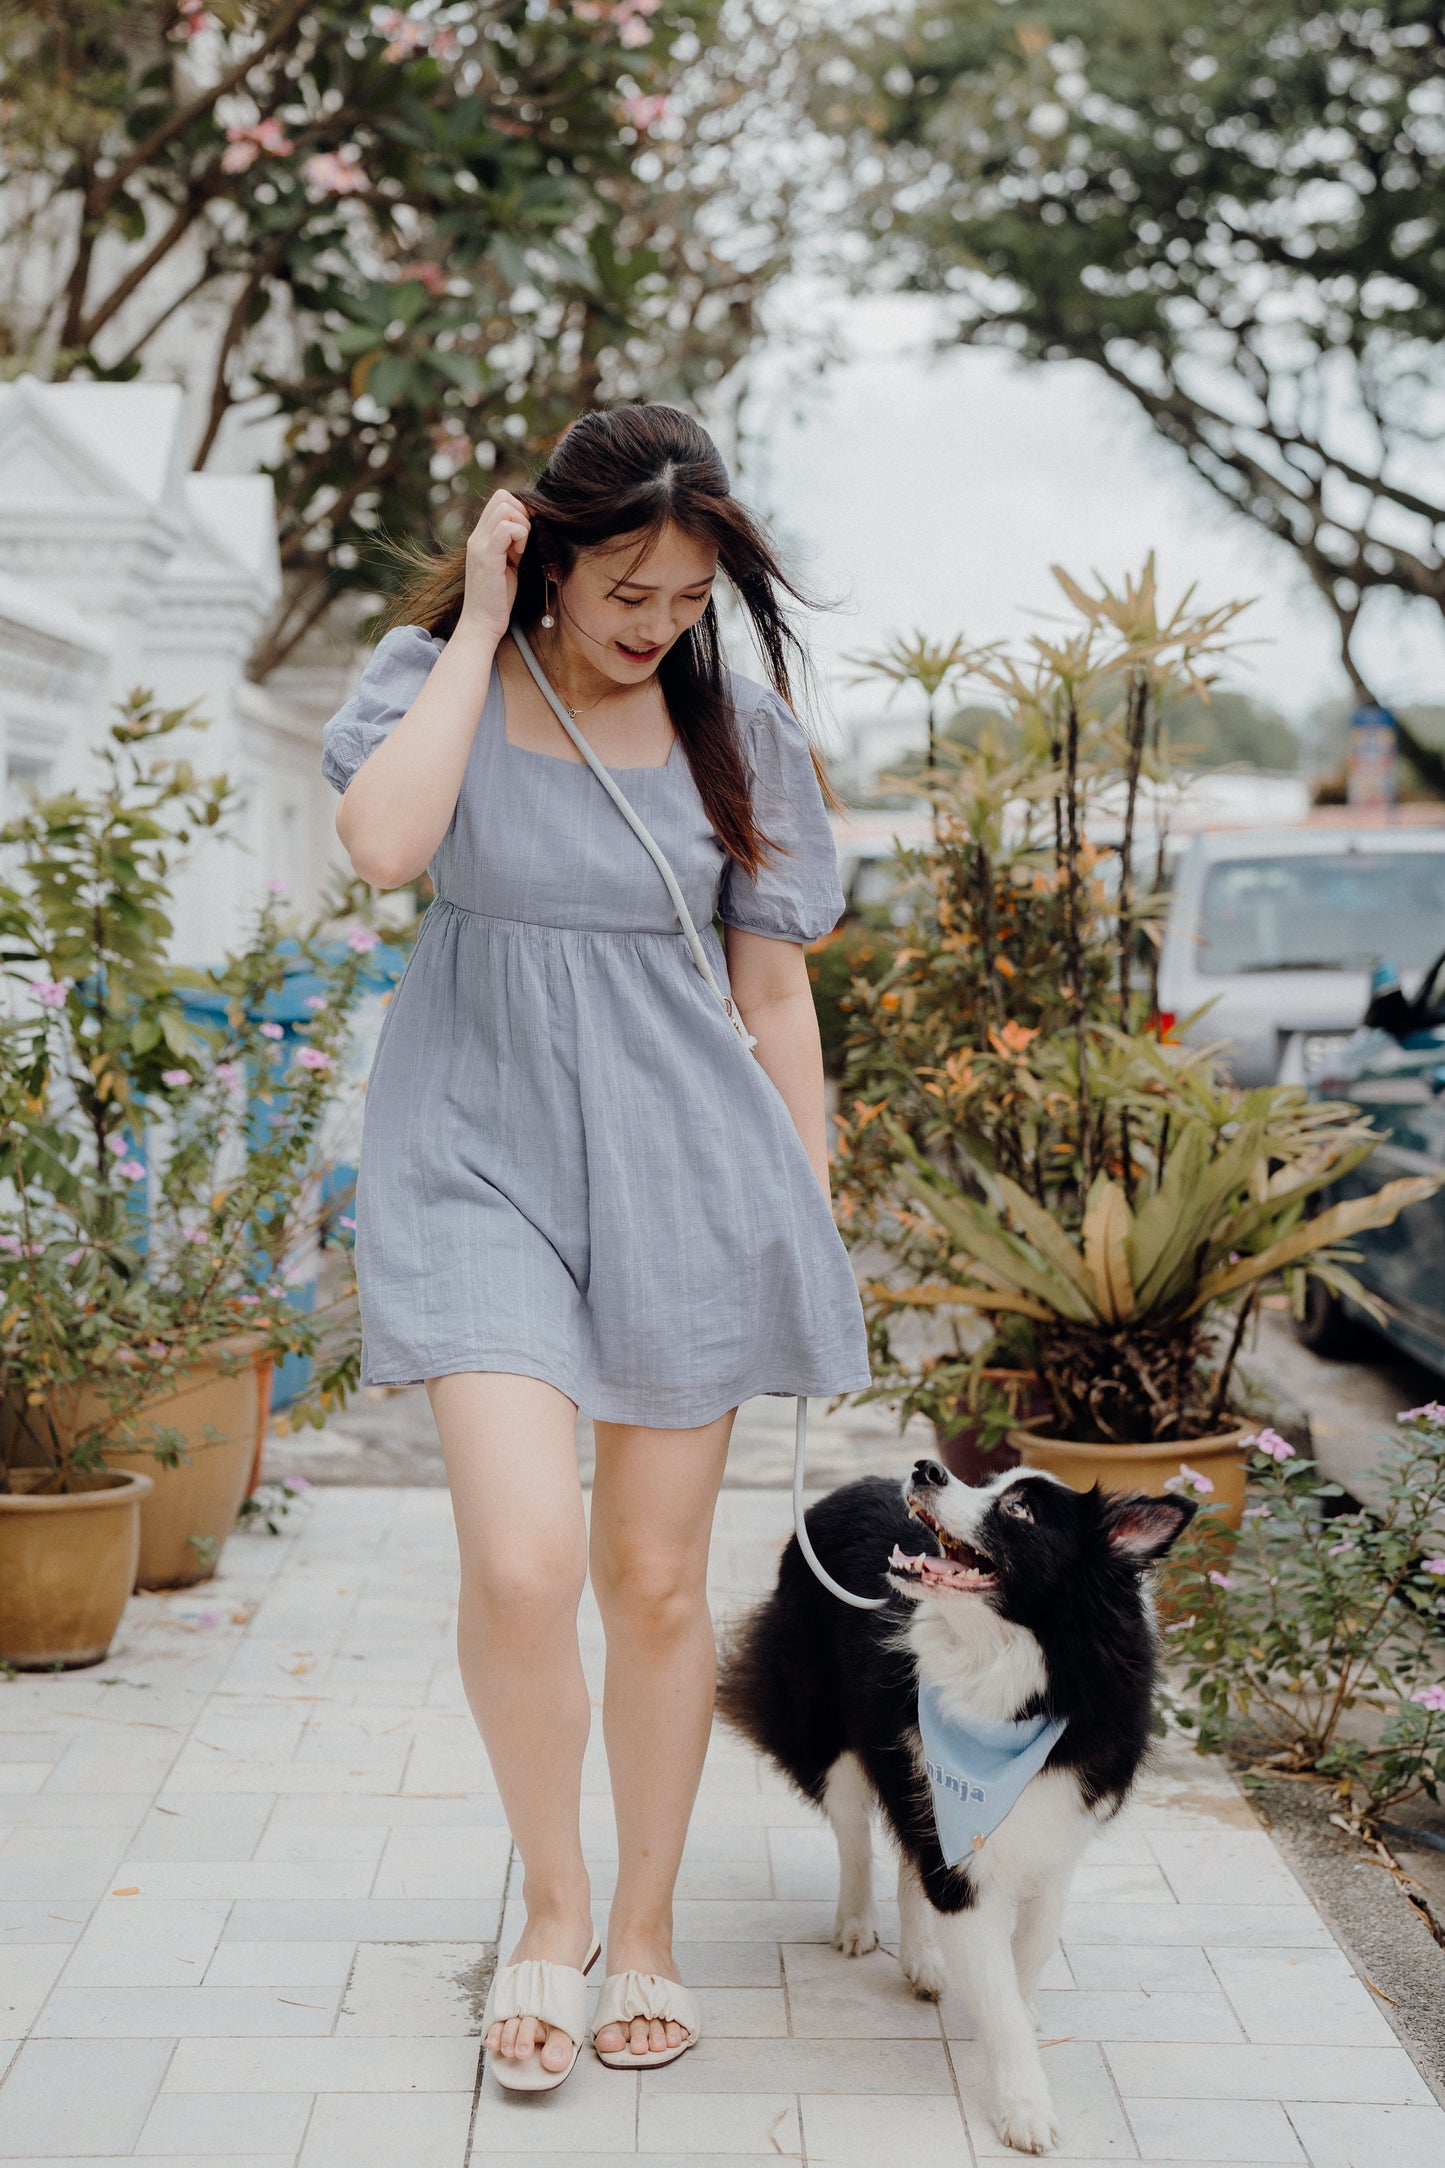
[[934, 494]]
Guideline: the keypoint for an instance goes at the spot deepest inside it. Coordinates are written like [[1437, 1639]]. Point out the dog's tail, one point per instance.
[[746, 1682]]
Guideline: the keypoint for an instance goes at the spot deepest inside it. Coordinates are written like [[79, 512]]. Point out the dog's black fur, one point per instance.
[[807, 1678]]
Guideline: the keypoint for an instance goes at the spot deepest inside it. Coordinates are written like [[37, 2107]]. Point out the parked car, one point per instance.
[[1277, 931], [1394, 1070]]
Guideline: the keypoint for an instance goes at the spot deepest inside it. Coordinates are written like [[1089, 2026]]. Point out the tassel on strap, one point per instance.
[[626, 1995]]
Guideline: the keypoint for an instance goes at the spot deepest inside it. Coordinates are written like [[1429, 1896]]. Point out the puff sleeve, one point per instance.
[[394, 675], [796, 894]]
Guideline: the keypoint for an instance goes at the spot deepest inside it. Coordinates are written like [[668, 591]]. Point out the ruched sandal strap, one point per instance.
[[628, 1995]]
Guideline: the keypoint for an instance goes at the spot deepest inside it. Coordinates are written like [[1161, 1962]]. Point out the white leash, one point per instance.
[[699, 955]]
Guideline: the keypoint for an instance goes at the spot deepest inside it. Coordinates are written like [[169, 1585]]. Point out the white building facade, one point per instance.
[[120, 569]]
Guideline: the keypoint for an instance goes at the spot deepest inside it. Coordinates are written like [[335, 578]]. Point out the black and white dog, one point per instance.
[[1032, 1605]]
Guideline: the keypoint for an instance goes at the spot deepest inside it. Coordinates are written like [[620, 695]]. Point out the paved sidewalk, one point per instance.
[[253, 1872]]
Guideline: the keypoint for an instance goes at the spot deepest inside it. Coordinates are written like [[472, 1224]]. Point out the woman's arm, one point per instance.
[[400, 802], [770, 987]]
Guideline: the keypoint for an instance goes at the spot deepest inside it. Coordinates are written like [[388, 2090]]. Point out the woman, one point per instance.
[[577, 1187]]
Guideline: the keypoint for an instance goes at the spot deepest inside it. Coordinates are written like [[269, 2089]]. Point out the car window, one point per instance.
[[1335, 912]]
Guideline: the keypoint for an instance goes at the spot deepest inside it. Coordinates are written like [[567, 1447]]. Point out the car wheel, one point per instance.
[[1326, 1327]]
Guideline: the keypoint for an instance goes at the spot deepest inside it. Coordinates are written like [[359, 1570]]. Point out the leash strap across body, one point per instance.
[[745, 1041]]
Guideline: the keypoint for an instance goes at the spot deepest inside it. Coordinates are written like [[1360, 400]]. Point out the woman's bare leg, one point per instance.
[[653, 1497], [511, 1458]]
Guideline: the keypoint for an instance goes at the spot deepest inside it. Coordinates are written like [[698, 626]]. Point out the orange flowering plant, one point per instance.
[[1065, 1205]]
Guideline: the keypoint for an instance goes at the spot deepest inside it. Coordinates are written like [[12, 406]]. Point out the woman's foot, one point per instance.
[[563, 1941], [640, 1954]]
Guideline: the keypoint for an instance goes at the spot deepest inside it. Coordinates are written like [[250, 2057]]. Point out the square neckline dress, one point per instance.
[[570, 1168]]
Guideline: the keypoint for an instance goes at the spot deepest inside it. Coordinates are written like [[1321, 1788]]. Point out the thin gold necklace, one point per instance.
[[573, 712]]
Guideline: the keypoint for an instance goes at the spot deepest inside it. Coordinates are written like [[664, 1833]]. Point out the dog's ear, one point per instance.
[[1139, 1529]]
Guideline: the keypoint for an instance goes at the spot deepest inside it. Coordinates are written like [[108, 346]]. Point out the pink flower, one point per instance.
[[1272, 1445], [362, 940], [11, 1243], [430, 275], [1257, 1513], [1338, 1550], [1430, 1697], [1432, 1565], [50, 993], [125, 1355], [329, 174], [296, 1483], [347, 1222], [273, 1031], [312, 1057], [276, 885], [1222, 1580], [228, 1073], [194, 18], [248, 1302], [175, 1077], [195, 1234], [1189, 1479], [116, 1143], [244, 145], [1433, 1411], [72, 1257], [315, 1002], [644, 113], [157, 1348], [132, 1169]]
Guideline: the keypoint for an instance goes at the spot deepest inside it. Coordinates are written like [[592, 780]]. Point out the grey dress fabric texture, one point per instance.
[[571, 1168]]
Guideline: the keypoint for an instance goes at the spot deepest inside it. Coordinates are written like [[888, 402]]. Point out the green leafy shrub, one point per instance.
[[1314, 1642], [160, 1178]]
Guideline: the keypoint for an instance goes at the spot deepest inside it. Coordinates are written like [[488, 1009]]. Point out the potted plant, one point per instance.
[[161, 1174], [1019, 1145]]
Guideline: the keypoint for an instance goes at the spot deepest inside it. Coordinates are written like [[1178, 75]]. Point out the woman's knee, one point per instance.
[[529, 1590], [657, 1594]]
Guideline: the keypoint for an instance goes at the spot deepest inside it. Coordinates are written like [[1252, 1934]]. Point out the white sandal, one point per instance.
[[557, 1995], [626, 1995]]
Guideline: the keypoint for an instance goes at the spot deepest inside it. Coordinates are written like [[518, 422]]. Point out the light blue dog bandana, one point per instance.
[[976, 1770]]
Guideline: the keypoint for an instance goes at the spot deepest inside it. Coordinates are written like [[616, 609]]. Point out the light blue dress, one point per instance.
[[570, 1167]]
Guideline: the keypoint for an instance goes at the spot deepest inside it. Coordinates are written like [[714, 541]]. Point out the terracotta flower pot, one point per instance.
[[1221, 1459], [67, 1565], [218, 1404]]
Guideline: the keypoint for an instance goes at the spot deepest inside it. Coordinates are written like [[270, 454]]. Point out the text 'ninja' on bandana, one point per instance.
[[977, 1769]]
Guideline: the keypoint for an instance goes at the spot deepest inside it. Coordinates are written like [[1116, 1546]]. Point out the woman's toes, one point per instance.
[[558, 2051], [611, 2038]]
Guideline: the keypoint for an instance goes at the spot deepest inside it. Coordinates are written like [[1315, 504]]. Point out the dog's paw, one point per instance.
[[855, 1937], [925, 1972], [1028, 2125]]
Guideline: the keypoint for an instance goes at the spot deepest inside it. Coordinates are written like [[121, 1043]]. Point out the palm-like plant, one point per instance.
[[1013, 1132], [1122, 1309]]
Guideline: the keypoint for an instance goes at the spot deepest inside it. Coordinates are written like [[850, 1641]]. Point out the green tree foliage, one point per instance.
[[1236, 211], [419, 241]]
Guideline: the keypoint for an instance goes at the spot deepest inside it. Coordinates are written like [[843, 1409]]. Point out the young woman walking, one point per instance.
[[578, 1187]]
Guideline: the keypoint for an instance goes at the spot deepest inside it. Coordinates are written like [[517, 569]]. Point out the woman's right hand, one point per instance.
[[493, 555]]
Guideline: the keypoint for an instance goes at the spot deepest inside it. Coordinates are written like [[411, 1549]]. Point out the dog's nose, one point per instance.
[[929, 1471]]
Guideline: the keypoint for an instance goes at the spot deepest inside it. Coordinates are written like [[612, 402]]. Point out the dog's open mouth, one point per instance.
[[961, 1566]]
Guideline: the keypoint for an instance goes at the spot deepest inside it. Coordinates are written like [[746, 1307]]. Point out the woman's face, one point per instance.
[[623, 613]]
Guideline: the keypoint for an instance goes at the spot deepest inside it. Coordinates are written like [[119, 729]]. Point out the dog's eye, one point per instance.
[[1018, 1509]]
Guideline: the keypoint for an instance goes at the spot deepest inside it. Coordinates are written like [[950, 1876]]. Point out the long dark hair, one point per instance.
[[632, 471]]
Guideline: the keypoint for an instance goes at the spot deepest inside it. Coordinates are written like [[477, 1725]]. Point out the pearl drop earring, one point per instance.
[[548, 620]]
